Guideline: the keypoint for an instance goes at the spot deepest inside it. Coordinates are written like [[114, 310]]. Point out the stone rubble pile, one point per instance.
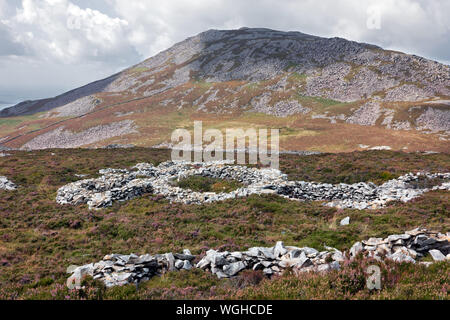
[[407, 247], [409, 186], [118, 269], [370, 196], [122, 185], [5, 184], [166, 174]]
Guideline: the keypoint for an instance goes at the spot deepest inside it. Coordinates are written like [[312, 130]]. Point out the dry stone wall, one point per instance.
[[5, 184]]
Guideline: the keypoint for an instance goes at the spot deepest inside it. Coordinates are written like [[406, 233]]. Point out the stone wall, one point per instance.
[[121, 185], [116, 269]]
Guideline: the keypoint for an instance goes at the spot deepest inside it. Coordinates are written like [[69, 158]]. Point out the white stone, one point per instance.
[[356, 249], [345, 221], [437, 255]]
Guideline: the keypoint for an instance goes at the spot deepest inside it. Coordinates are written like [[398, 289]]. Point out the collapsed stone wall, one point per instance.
[[116, 269], [364, 195], [122, 185]]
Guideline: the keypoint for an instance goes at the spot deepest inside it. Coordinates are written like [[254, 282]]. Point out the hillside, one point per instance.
[[324, 94]]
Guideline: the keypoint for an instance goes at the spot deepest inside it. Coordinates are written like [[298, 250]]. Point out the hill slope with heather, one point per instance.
[[324, 94], [39, 238]]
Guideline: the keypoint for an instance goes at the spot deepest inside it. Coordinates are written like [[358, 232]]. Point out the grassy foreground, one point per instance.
[[39, 239]]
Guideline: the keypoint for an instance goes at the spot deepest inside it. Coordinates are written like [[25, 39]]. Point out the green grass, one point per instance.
[[39, 239], [208, 184], [203, 84], [138, 70], [320, 104], [252, 86]]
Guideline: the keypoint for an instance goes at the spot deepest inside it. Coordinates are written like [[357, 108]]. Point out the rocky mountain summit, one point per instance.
[[231, 73], [116, 269], [122, 185]]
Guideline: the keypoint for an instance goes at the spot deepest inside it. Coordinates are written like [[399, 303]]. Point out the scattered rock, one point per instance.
[[345, 221]]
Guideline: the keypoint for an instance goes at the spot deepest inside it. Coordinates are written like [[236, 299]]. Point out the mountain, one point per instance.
[[326, 94]]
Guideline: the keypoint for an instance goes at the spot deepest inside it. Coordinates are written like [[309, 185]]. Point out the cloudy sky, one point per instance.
[[51, 46]]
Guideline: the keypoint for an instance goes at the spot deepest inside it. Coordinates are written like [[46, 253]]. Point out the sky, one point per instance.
[[48, 47]]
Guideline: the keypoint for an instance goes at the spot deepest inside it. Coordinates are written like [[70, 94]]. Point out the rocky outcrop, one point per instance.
[[279, 109], [5, 184], [434, 120], [118, 269], [77, 108], [121, 185], [367, 115]]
